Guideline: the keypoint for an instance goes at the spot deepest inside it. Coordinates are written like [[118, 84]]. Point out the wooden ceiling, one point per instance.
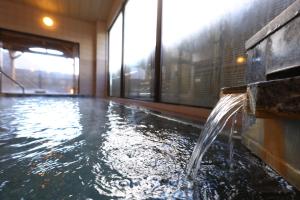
[[91, 10]]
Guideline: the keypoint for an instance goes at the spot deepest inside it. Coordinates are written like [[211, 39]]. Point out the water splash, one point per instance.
[[230, 140], [227, 106]]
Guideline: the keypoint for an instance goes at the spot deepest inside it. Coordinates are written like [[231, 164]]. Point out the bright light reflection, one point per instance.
[[48, 51], [71, 91], [47, 63], [115, 46], [38, 49], [52, 120], [182, 19], [140, 30], [135, 156], [241, 60], [54, 52], [76, 66]]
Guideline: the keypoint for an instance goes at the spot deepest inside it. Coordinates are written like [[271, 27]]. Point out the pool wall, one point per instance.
[[196, 114], [277, 142], [272, 129]]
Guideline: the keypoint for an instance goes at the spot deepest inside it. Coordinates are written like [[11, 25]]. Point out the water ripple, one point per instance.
[[82, 148]]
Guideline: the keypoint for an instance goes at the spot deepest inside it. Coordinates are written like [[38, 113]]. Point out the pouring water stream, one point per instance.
[[226, 108]]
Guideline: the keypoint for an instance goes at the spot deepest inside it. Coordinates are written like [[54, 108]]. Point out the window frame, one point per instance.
[[157, 54]]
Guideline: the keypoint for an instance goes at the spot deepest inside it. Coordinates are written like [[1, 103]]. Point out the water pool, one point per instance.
[[84, 148]]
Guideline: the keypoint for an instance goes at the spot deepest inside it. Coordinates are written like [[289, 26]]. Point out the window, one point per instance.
[[41, 65], [55, 76], [115, 57], [139, 48], [202, 47]]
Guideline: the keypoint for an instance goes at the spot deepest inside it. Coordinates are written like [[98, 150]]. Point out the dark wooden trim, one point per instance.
[[0, 81], [40, 36], [78, 81], [163, 102], [122, 82], [198, 114], [20, 41], [234, 90], [1, 61], [157, 77], [108, 72]]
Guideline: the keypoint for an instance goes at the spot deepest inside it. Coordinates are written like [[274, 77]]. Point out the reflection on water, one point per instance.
[[70, 148], [80, 148], [143, 157]]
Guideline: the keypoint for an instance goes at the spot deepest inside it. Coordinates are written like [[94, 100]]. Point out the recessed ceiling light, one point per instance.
[[48, 21]]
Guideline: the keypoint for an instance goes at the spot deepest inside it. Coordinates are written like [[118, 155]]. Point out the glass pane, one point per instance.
[[38, 73], [139, 47], [115, 56], [203, 45]]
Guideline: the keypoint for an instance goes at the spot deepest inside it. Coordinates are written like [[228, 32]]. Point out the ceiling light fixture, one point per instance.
[[48, 21], [241, 60]]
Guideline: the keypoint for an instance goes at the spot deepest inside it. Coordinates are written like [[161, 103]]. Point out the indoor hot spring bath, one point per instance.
[[87, 148]]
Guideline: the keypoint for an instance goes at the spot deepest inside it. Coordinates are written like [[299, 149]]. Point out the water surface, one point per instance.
[[83, 148]]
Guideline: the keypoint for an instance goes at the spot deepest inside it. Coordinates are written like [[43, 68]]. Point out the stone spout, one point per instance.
[[271, 99]]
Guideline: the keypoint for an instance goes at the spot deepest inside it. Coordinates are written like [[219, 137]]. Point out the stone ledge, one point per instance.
[[278, 98], [196, 114]]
